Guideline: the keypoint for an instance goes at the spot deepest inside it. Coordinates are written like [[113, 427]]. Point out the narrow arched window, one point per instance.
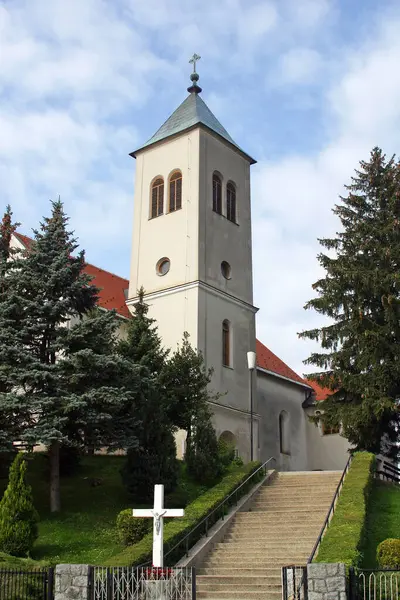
[[284, 438], [226, 344], [157, 197], [217, 194], [231, 202], [175, 191]]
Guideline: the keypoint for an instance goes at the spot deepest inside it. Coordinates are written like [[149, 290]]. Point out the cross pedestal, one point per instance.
[[158, 513]]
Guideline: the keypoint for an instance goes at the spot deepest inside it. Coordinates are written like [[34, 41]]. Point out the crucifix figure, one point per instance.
[[194, 60], [158, 512]]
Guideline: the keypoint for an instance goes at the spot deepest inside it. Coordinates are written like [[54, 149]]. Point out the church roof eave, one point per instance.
[[234, 147]]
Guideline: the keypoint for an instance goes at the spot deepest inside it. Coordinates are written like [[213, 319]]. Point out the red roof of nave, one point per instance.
[[321, 393], [270, 362], [112, 296]]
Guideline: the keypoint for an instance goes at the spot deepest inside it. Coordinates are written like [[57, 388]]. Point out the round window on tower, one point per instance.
[[226, 269], [163, 266]]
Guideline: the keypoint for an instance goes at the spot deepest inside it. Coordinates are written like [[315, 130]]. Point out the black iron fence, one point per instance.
[[32, 584], [294, 583], [145, 583], [369, 584], [388, 472]]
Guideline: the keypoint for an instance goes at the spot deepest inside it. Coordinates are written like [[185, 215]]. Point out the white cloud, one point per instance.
[[299, 66]]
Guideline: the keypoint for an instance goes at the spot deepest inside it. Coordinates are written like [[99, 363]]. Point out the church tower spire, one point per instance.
[[194, 77], [192, 250]]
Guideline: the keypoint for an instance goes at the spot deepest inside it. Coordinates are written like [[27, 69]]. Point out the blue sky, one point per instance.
[[308, 87]]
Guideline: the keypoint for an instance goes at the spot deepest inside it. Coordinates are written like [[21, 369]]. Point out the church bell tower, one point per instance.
[[192, 252]]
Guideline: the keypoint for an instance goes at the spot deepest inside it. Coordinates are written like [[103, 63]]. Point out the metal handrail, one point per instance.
[[388, 475], [390, 467], [220, 506], [330, 511]]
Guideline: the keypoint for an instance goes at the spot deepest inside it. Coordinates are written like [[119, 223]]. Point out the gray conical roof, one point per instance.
[[193, 111]]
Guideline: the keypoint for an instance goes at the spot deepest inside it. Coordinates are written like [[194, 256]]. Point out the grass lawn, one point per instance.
[[84, 531], [383, 519]]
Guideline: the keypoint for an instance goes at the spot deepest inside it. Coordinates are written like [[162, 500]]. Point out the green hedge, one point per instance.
[[176, 529], [345, 536]]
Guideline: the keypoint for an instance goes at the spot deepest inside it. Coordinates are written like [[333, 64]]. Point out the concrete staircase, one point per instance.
[[281, 529]]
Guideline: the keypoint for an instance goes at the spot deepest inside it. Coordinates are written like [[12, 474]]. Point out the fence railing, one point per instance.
[[388, 472], [294, 583], [146, 583], [202, 528], [330, 511], [29, 584], [368, 584]]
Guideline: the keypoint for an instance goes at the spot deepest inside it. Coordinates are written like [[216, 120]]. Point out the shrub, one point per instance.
[[226, 453], [388, 554], [176, 529], [18, 517], [345, 536], [130, 529]]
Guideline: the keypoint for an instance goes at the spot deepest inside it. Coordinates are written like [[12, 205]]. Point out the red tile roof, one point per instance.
[[112, 295], [321, 393], [112, 287], [270, 362], [25, 240]]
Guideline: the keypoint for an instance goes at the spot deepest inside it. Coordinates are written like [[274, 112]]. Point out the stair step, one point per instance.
[[245, 586], [269, 544], [238, 579], [239, 595], [270, 534], [250, 561], [246, 571]]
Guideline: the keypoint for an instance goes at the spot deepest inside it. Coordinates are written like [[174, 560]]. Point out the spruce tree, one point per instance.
[[202, 453], [72, 384], [187, 381], [153, 459], [12, 416], [18, 516], [360, 294]]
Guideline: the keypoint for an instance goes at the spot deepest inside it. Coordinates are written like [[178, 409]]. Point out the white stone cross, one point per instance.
[[158, 513]]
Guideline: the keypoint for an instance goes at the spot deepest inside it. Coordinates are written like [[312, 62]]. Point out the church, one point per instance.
[[192, 253]]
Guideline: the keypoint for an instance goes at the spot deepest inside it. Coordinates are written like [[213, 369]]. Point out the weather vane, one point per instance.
[[194, 60]]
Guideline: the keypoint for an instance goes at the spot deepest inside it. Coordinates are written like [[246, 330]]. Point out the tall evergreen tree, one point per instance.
[[360, 294], [70, 382], [202, 453], [153, 460], [186, 380], [11, 315]]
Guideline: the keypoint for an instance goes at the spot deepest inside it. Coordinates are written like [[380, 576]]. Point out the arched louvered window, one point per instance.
[[157, 197], [226, 344], [284, 437], [217, 194], [231, 202], [175, 191]]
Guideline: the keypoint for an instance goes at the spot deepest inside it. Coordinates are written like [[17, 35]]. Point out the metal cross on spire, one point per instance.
[[194, 60]]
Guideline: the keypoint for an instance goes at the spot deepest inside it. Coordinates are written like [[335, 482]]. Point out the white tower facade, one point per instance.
[[192, 253]]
